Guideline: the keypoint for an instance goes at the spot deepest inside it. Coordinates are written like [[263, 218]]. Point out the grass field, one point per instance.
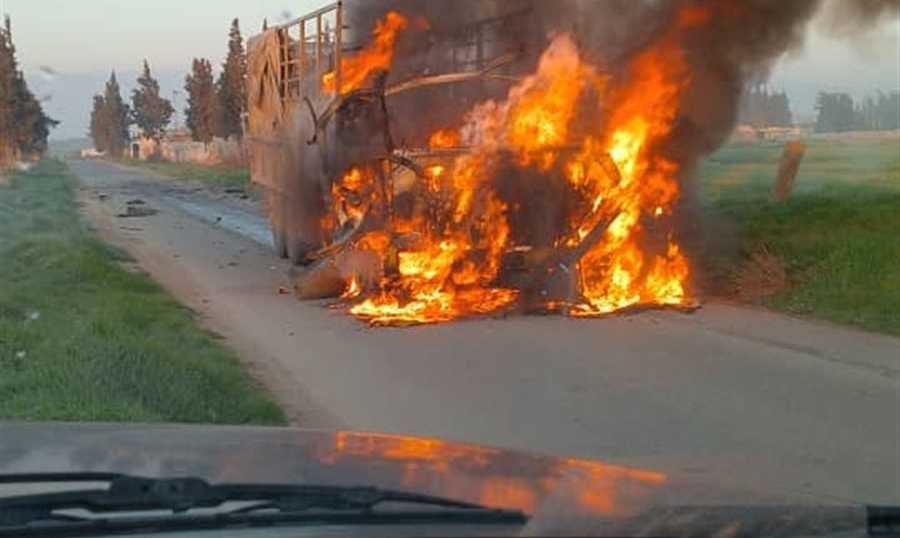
[[838, 237], [219, 175], [82, 339]]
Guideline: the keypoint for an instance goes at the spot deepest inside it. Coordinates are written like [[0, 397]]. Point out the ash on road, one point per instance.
[[730, 395]]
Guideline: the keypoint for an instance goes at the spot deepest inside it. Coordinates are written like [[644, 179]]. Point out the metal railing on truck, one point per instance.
[[311, 45]]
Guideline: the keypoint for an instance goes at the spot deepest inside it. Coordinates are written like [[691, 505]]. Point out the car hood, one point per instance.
[[562, 494]]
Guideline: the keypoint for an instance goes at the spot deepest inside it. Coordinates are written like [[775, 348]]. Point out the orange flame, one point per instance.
[[450, 271], [598, 135], [445, 138], [542, 107], [352, 194], [354, 289], [377, 56], [619, 272]]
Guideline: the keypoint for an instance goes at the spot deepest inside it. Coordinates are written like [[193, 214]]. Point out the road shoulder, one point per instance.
[[166, 247]]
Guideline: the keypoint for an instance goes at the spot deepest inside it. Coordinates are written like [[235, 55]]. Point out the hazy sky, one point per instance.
[[82, 40], [90, 35]]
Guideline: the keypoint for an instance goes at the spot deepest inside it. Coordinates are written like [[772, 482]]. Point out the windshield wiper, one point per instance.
[[38, 514]]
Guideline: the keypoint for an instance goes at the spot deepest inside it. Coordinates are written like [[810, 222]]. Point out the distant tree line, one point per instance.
[[215, 107], [762, 108], [838, 112], [24, 127]]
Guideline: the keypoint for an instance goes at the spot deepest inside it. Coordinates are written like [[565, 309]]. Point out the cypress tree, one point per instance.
[[202, 107], [116, 117], [150, 111], [232, 85], [24, 127]]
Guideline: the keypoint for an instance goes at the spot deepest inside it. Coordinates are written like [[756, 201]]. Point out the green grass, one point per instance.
[[744, 172], [82, 339], [838, 235], [225, 176]]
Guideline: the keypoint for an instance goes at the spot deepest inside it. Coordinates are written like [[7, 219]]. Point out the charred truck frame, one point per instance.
[[289, 104], [314, 121]]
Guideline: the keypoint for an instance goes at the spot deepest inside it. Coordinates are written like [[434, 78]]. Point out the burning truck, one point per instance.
[[426, 164]]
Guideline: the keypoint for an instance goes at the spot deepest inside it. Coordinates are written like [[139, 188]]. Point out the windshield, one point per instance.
[[551, 258]]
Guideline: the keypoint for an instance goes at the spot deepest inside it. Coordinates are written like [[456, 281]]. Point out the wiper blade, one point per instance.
[[127, 493], [58, 478]]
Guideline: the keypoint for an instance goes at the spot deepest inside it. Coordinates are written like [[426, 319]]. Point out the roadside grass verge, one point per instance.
[[82, 339], [225, 176], [838, 236]]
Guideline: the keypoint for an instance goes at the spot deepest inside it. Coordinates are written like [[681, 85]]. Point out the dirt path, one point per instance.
[[729, 394]]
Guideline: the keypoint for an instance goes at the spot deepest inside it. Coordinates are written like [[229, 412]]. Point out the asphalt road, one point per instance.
[[732, 395]]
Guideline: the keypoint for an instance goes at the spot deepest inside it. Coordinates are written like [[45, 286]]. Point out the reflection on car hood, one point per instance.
[[562, 494]]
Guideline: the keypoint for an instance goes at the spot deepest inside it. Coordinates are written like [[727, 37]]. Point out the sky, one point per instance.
[[82, 40]]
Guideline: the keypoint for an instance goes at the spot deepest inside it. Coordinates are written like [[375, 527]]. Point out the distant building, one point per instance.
[[748, 133], [177, 145], [92, 153]]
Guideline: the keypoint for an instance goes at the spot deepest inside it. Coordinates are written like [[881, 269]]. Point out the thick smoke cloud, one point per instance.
[[846, 18], [742, 41], [738, 42]]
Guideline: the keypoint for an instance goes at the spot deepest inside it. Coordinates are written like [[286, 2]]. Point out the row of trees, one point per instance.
[[837, 112], [24, 127], [111, 116], [760, 108], [215, 107]]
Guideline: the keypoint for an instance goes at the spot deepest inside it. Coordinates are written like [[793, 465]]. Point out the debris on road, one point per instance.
[[137, 212], [136, 201], [323, 281]]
